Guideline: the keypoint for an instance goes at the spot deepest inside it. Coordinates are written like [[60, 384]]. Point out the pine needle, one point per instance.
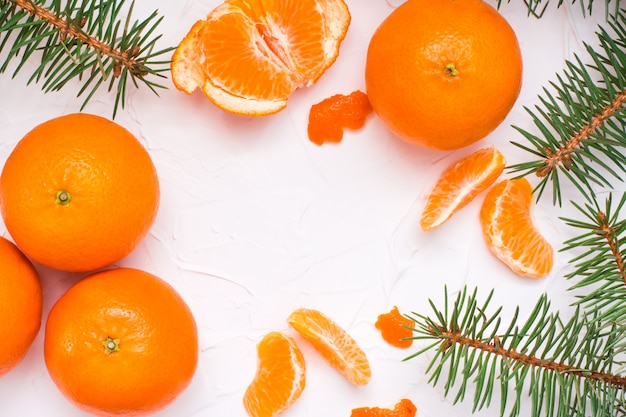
[[89, 41]]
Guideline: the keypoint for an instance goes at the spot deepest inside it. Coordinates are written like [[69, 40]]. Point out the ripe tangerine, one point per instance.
[[78, 192], [121, 342], [443, 74], [21, 309]]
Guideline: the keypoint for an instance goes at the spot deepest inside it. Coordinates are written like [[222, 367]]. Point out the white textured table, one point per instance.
[[255, 220]]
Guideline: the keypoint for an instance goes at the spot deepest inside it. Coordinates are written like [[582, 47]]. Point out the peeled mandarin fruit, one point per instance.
[[249, 56], [509, 230], [443, 74], [459, 184], [333, 343], [280, 377], [21, 305]]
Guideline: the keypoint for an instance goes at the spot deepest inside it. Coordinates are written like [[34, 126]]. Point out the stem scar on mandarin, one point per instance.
[[111, 345], [63, 197], [450, 69]]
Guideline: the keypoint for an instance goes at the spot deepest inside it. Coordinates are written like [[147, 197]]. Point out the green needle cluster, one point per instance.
[[86, 40], [566, 367]]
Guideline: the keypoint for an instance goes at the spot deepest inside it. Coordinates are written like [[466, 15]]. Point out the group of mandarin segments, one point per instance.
[[79, 192]]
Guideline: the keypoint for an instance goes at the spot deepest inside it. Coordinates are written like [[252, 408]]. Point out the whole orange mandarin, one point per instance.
[[78, 192], [121, 342], [21, 305], [443, 74]]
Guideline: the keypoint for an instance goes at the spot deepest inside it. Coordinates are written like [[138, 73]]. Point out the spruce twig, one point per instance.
[[601, 267], [568, 364], [87, 40], [583, 123], [537, 8]]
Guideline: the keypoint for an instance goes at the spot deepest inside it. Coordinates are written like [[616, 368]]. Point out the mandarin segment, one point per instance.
[[280, 376], [509, 230], [121, 342], [248, 57], [459, 184], [21, 305], [404, 408], [395, 328], [333, 343], [443, 74]]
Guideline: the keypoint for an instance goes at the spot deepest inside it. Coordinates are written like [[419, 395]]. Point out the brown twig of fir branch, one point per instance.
[[68, 28], [83, 39], [495, 348], [605, 230]]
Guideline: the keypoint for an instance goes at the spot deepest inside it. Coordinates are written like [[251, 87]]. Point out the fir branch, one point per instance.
[[601, 267], [582, 123], [538, 7], [568, 365], [86, 40]]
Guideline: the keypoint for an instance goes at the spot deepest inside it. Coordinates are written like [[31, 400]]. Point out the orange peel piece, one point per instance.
[[329, 117]]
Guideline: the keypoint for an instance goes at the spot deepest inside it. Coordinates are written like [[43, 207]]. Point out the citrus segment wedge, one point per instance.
[[509, 230], [280, 376], [333, 343], [249, 56], [459, 184]]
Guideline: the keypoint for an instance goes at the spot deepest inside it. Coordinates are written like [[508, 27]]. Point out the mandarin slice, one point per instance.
[[459, 184], [279, 379], [404, 408], [329, 117], [509, 230], [395, 328], [333, 343], [249, 56]]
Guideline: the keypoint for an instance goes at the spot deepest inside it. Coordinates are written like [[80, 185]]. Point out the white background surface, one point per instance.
[[255, 221]]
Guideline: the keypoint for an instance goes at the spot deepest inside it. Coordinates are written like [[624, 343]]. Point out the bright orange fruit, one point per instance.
[[333, 343], [404, 408], [21, 305], [121, 343], [249, 56], [395, 328], [510, 232], [459, 184], [78, 192], [280, 377], [443, 73]]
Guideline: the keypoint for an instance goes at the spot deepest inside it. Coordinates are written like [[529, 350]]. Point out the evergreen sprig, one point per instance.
[[88, 40], [538, 7], [581, 121], [601, 267], [567, 366]]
